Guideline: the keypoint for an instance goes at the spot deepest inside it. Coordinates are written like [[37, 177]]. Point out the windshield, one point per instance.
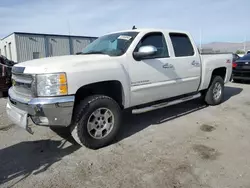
[[245, 57], [113, 44]]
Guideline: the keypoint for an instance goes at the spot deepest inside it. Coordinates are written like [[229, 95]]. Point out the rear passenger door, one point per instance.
[[186, 65]]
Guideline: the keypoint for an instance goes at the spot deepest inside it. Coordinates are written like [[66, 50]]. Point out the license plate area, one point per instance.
[[17, 116], [246, 67]]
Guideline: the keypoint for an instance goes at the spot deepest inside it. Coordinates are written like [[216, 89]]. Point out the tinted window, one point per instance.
[[245, 57], [182, 45], [157, 40]]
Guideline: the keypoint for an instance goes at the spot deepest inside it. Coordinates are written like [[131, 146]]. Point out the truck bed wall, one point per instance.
[[212, 61]]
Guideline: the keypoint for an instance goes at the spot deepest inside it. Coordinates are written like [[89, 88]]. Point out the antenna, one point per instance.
[[134, 27]]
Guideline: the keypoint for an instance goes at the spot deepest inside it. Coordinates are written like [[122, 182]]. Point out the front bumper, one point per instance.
[[51, 111]]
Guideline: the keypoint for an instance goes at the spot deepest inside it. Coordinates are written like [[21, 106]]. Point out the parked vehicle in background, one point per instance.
[[241, 69], [240, 55], [140, 69], [5, 74], [235, 58]]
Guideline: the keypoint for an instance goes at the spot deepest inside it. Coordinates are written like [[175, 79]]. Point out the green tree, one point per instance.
[[240, 52]]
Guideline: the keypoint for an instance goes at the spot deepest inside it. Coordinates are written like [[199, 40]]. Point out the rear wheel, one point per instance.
[[214, 94], [96, 121]]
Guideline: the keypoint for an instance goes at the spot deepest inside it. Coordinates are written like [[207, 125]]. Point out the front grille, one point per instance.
[[22, 84]]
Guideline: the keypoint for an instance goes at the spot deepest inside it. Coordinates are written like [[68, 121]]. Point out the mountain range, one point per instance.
[[225, 46]]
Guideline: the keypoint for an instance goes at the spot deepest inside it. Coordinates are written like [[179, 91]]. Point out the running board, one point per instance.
[[165, 104]]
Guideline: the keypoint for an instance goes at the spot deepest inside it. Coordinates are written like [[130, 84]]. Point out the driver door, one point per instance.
[[150, 78]]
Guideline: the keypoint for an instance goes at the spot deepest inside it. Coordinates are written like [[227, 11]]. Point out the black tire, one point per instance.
[[83, 111], [209, 96]]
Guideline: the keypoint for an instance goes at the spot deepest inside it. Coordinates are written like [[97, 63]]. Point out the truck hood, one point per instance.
[[62, 63]]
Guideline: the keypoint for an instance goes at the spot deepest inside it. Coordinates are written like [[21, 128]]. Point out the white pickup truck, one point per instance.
[[140, 69]]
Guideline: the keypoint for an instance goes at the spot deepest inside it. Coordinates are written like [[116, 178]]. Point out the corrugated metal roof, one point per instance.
[[46, 34]]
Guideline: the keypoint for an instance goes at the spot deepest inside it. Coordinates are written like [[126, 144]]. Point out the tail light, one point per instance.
[[234, 64]]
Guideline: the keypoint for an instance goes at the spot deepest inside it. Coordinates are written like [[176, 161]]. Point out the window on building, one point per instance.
[[181, 44], [50, 49], [36, 55], [10, 54], [157, 40]]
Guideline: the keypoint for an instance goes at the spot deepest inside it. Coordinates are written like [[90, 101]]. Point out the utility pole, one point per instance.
[[245, 43], [200, 40]]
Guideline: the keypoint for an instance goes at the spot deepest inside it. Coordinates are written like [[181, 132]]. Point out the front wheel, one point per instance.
[[214, 94], [96, 122]]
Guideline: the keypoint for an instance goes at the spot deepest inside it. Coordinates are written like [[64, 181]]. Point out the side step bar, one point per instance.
[[165, 104]]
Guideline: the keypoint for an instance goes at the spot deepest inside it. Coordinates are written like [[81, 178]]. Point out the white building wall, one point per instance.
[[58, 45], [21, 47], [30, 47], [8, 47], [79, 44], [1, 53]]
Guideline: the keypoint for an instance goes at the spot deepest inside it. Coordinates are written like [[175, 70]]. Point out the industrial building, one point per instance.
[[21, 47]]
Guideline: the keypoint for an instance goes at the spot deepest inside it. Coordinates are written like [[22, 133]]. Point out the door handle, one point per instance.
[[168, 66], [195, 63]]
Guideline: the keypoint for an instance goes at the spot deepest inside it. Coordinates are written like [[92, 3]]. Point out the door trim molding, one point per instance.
[[162, 83]]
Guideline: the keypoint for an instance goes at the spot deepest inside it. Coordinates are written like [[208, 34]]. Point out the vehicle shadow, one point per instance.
[[136, 123], [31, 157], [231, 91], [19, 161]]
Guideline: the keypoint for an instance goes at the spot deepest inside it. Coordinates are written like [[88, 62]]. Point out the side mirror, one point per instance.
[[144, 52]]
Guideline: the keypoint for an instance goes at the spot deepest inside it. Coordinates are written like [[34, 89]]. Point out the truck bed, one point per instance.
[[212, 60]]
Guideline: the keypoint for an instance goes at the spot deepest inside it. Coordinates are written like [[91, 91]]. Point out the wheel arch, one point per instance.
[[207, 79], [110, 88]]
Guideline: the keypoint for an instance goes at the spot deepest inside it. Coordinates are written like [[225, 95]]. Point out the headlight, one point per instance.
[[51, 84]]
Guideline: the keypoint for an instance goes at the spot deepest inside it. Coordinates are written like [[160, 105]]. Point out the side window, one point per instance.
[[157, 40], [181, 44]]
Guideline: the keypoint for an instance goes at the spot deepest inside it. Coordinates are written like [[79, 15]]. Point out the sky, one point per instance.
[[216, 20]]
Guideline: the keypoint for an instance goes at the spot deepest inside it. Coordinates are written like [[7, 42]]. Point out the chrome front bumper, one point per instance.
[[51, 111]]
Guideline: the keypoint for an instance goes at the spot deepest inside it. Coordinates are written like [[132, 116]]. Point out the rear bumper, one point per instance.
[[241, 75], [241, 78], [52, 111]]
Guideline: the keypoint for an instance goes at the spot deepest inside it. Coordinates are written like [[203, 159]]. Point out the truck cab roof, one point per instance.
[[145, 30]]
